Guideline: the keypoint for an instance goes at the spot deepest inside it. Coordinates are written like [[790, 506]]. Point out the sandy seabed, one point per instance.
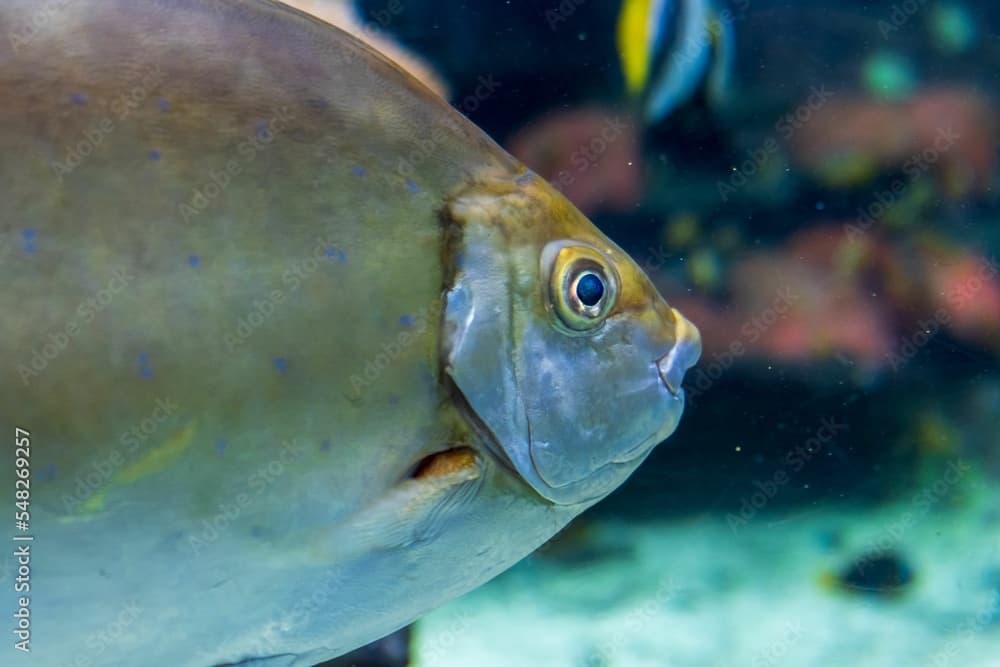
[[699, 593]]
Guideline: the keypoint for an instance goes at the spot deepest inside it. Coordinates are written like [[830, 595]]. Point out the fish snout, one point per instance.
[[682, 356]]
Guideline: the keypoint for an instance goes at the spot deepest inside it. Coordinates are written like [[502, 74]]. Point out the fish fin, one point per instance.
[[416, 509], [684, 62], [283, 660], [723, 41], [633, 43]]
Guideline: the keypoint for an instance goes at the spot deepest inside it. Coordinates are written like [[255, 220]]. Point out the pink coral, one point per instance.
[[591, 154], [949, 132]]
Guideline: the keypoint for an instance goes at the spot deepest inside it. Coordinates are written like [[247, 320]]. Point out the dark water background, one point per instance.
[[550, 58]]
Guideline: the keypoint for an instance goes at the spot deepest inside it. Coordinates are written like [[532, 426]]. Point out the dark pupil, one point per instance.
[[589, 289]]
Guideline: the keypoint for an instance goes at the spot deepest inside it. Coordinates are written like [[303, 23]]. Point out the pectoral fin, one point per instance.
[[416, 509]]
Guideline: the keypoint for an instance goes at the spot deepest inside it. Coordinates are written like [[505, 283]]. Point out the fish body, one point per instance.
[[672, 49], [297, 351]]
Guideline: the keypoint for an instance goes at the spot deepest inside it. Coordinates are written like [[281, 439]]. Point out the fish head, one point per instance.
[[567, 357]]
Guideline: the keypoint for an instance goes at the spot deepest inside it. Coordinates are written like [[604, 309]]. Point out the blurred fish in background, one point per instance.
[[674, 50]]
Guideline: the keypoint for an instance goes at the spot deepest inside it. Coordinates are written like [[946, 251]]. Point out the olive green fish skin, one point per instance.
[[223, 261], [121, 121]]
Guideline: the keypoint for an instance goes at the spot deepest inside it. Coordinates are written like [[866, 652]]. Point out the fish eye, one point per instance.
[[589, 289], [583, 287]]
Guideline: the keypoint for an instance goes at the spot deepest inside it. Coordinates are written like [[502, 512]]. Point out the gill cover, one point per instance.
[[573, 405]]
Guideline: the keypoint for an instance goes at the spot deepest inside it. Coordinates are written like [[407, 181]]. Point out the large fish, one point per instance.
[[292, 351]]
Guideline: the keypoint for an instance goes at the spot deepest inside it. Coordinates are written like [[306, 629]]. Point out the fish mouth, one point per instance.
[[685, 353]]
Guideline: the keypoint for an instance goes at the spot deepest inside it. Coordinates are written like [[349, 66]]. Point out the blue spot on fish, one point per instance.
[[220, 446], [281, 365], [412, 187], [407, 320], [28, 237], [358, 171], [194, 261], [145, 367], [336, 253], [263, 131], [163, 104], [154, 155], [79, 99], [325, 445]]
